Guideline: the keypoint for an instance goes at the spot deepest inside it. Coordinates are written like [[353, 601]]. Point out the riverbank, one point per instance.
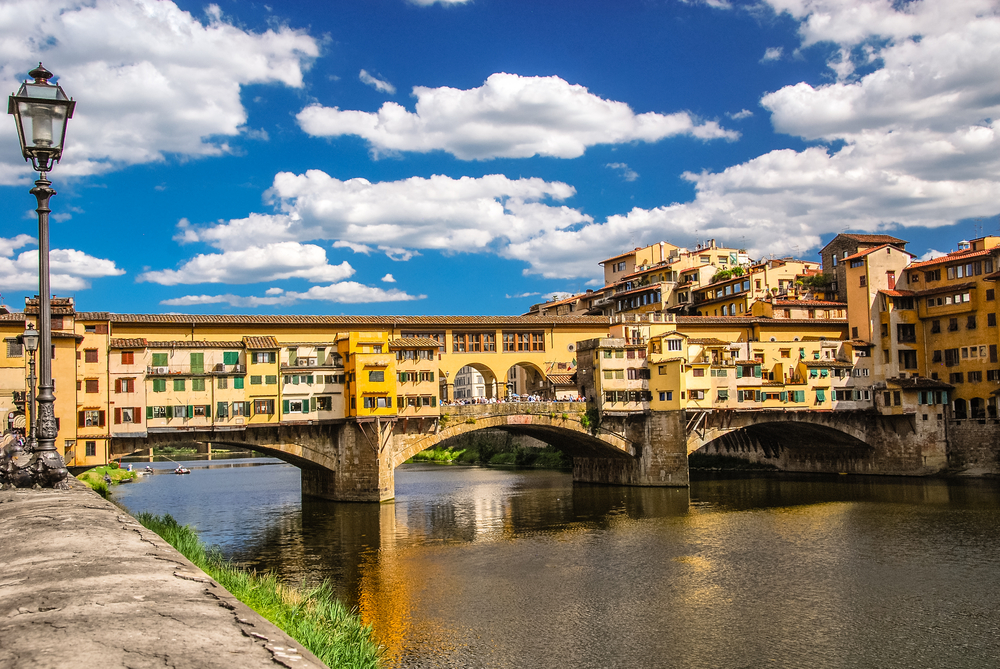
[[312, 616], [84, 584]]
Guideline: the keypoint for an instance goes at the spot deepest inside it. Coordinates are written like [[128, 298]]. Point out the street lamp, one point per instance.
[[30, 341], [41, 111]]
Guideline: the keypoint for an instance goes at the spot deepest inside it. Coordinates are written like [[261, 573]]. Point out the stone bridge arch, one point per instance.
[[558, 424], [847, 429]]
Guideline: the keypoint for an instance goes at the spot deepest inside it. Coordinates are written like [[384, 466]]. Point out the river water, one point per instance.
[[482, 567]]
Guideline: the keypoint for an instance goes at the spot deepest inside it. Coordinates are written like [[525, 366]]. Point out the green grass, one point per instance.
[[311, 616], [95, 478]]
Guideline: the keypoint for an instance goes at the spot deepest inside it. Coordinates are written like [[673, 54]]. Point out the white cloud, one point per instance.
[[139, 71], [931, 255], [254, 264], [357, 248], [628, 174], [380, 85], [345, 292], [520, 295], [398, 217], [388, 278], [741, 114], [772, 53], [508, 116], [69, 270], [396, 253]]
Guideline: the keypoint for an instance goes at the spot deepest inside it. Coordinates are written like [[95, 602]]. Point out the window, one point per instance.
[[92, 386], [324, 403], [238, 382], [723, 394], [666, 396], [124, 385], [897, 398], [90, 418], [993, 374], [265, 407], [474, 342], [971, 322], [955, 377], [256, 380], [90, 355], [128, 357], [14, 348], [179, 385], [936, 356], [377, 376], [381, 402], [952, 325], [264, 357], [159, 385], [91, 449], [935, 327], [908, 359], [951, 357], [231, 357], [864, 280], [993, 352], [223, 382], [639, 373], [241, 408], [975, 377], [906, 332], [991, 320], [198, 384], [697, 372]]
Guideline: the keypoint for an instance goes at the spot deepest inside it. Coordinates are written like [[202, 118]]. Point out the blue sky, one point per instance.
[[420, 157]]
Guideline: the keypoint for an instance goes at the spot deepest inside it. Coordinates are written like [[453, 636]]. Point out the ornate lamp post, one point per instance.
[[30, 340], [41, 111]]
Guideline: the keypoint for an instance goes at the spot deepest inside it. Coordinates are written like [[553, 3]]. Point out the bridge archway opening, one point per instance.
[[788, 445], [474, 381], [526, 378]]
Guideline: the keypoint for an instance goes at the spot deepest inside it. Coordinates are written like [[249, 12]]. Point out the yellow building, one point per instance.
[[262, 387], [416, 380], [371, 373]]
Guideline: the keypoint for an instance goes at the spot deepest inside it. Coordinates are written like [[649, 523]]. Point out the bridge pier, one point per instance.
[[363, 469], [657, 453]]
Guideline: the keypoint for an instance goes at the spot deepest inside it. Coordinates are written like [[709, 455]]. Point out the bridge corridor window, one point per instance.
[[263, 407], [376, 376], [222, 410], [223, 383], [179, 385], [241, 408], [238, 383], [159, 385], [198, 384], [128, 357]]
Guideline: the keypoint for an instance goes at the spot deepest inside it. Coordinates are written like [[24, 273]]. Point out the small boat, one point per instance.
[[182, 470]]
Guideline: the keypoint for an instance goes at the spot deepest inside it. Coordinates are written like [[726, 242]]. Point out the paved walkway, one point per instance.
[[83, 584]]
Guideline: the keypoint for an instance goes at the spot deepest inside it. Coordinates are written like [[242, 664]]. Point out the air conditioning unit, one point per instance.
[[239, 369], [160, 370], [219, 367]]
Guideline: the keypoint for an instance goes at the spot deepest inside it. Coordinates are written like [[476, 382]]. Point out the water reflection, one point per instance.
[[490, 568]]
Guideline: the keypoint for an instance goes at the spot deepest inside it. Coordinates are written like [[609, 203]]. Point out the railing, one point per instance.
[[653, 317]]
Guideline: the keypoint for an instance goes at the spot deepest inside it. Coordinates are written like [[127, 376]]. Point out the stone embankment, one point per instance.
[[83, 584]]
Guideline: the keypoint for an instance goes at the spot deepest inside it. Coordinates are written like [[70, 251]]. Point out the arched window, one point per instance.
[[977, 407], [960, 409]]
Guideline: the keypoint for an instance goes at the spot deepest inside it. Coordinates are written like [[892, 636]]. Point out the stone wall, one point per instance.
[[974, 446]]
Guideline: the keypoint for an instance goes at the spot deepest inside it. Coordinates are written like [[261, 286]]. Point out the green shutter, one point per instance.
[[784, 396], [739, 395], [149, 412], [220, 409], [231, 358], [246, 408], [739, 371], [238, 383], [312, 404], [821, 396], [190, 411], [305, 406], [756, 371], [170, 411], [208, 411], [197, 363], [160, 360], [284, 406]]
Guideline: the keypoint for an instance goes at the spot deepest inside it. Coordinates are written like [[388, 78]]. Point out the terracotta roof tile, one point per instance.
[[898, 293], [707, 341], [128, 343], [561, 379], [810, 303], [861, 254], [918, 383], [261, 343], [340, 321], [833, 364], [952, 257], [198, 344], [413, 342], [869, 239], [944, 289]]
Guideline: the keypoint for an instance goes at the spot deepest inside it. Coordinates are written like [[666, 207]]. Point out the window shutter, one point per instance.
[[230, 357], [118, 416], [118, 385], [220, 409], [149, 413], [305, 406], [756, 371], [310, 379], [100, 419], [80, 419], [739, 371], [190, 412], [312, 404], [208, 411], [246, 408], [284, 406], [137, 415], [170, 411], [101, 328], [784, 396]]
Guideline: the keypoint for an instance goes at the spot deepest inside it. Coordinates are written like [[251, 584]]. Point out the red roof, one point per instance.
[[861, 254], [869, 239], [954, 255], [898, 293], [809, 303]]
